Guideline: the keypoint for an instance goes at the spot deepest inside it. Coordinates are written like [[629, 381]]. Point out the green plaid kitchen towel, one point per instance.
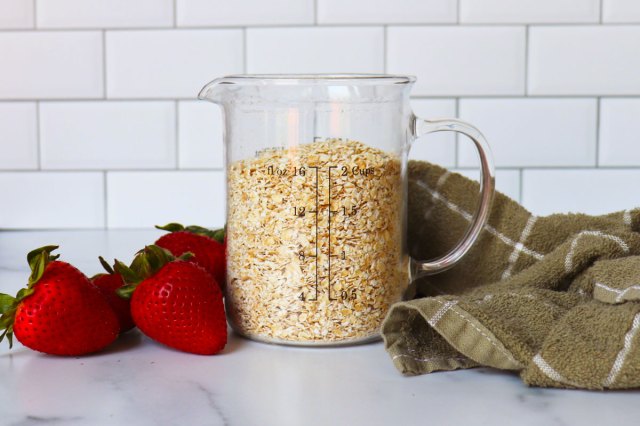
[[555, 298]]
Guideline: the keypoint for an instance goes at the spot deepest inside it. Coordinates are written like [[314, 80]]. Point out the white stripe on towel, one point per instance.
[[622, 355], [518, 247], [443, 310], [568, 261], [619, 293], [550, 372], [467, 216]]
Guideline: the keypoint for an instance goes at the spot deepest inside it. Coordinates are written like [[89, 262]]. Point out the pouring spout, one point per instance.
[[213, 90]]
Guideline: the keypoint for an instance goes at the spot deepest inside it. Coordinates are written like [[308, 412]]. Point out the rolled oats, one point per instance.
[[314, 242]]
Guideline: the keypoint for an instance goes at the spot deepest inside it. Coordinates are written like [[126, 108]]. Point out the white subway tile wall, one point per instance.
[[108, 135], [104, 13], [99, 118], [386, 12], [18, 136], [459, 60], [51, 64], [584, 60], [200, 135], [315, 50], [16, 14], [169, 63], [224, 13], [529, 11], [621, 11], [144, 199], [533, 132], [619, 132], [45, 200]]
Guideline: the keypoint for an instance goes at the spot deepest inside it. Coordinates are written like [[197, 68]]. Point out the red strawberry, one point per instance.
[[206, 245], [175, 302], [59, 312], [108, 284]]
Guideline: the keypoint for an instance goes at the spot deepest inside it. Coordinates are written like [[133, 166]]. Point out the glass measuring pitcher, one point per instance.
[[316, 203]]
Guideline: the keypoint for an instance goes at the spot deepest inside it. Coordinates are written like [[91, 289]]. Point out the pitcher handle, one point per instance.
[[422, 127]]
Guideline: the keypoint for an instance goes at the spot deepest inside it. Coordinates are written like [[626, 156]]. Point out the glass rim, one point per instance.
[[328, 79]]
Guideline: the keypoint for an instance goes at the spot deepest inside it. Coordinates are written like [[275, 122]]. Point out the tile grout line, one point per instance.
[[308, 25], [598, 112], [105, 200], [601, 10], [244, 50], [458, 12], [526, 60], [521, 185], [104, 64], [177, 133], [38, 137], [175, 13], [35, 14], [385, 43], [421, 96], [315, 12]]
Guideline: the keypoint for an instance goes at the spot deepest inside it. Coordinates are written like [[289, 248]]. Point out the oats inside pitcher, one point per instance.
[[315, 242]]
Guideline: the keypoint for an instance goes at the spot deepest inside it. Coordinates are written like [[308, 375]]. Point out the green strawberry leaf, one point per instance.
[[185, 256], [157, 257], [140, 265], [38, 260], [126, 291], [7, 302], [46, 249], [6, 324], [171, 227], [38, 265], [24, 292], [105, 265], [145, 264], [9, 335], [219, 234], [215, 234], [7, 319], [199, 230], [129, 275]]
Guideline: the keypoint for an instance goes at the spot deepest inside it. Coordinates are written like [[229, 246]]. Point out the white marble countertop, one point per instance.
[[138, 382]]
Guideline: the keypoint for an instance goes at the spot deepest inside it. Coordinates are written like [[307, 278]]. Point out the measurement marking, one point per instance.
[[316, 242], [329, 249]]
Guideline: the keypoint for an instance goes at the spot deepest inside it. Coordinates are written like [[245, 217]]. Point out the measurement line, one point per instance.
[[329, 250], [316, 213]]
